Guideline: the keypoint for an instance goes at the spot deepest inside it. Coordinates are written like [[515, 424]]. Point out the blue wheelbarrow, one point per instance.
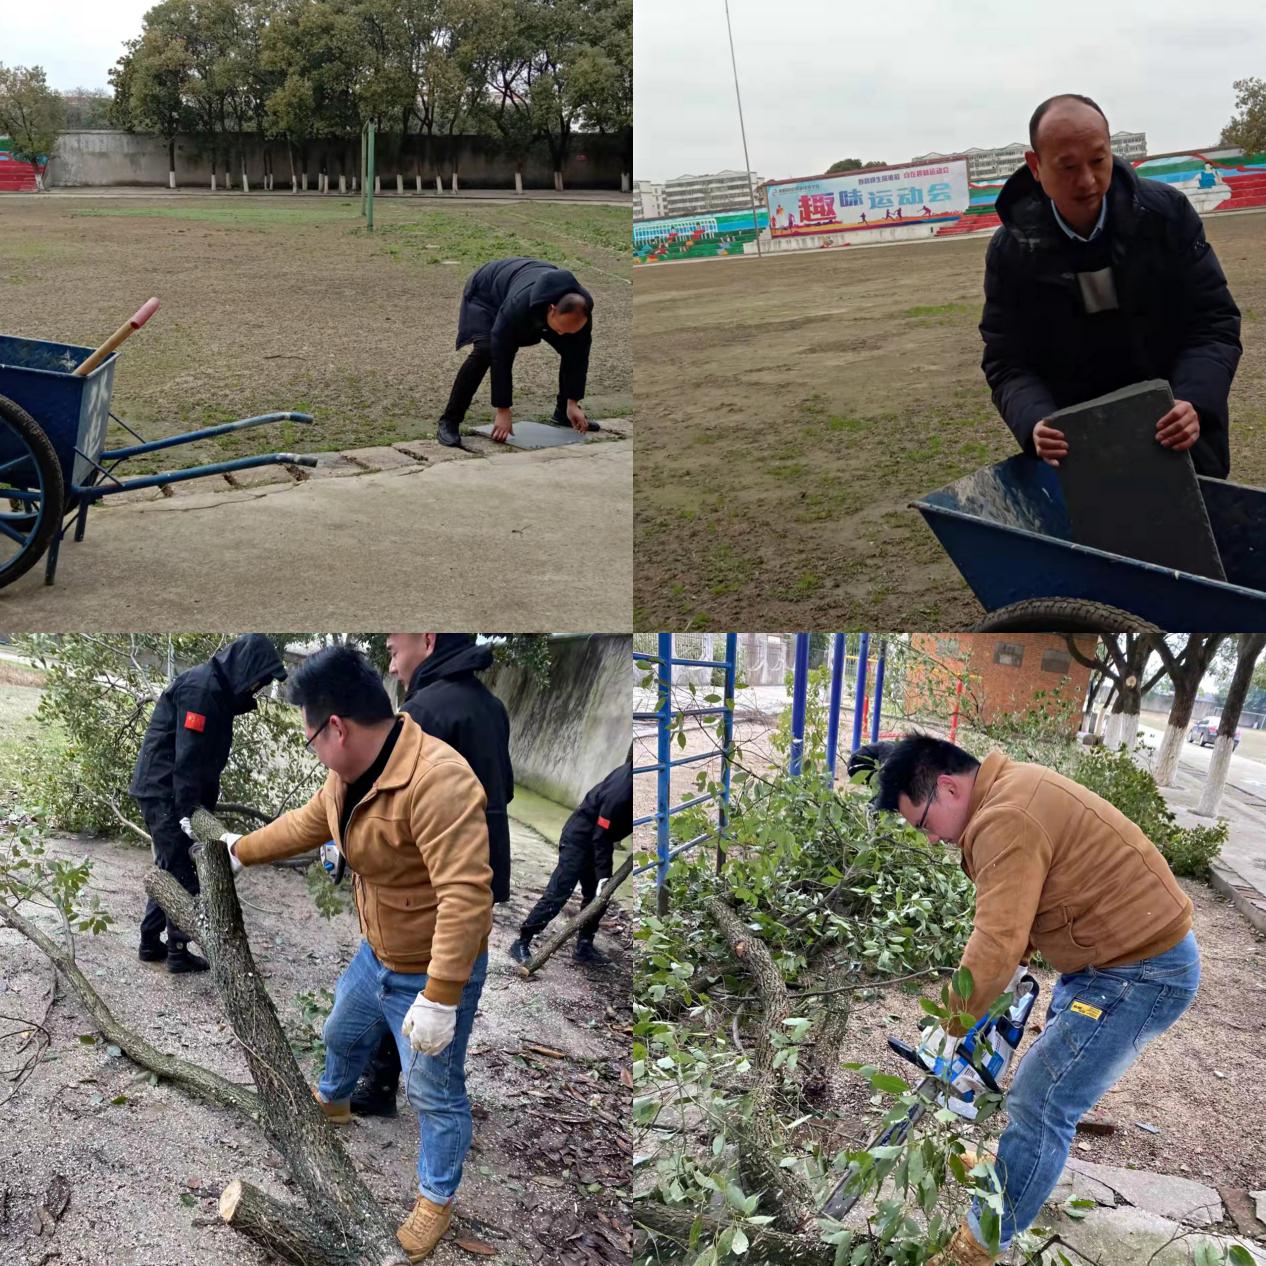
[[1006, 529], [53, 460]]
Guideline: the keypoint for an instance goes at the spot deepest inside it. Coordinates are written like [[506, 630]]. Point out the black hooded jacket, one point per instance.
[[187, 743], [604, 817], [1175, 319], [449, 702], [505, 304]]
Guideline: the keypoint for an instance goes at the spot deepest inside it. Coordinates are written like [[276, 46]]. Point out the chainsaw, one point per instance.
[[978, 1063]]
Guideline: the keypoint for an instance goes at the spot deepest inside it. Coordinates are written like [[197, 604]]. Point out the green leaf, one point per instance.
[[931, 1007], [892, 1084], [1205, 1254], [88, 1039], [187, 1200], [1238, 1255], [739, 1243], [962, 983]]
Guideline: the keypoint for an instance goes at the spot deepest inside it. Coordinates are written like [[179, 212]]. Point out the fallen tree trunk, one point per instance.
[[593, 910]]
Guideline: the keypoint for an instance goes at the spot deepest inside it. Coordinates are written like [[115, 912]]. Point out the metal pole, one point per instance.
[[799, 692], [747, 162], [859, 693], [879, 694], [731, 672], [363, 128], [664, 773], [369, 184], [837, 689]]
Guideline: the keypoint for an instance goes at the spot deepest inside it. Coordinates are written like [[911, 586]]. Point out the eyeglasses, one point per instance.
[[927, 808], [317, 734]]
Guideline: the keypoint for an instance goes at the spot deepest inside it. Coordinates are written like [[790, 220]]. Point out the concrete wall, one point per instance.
[[570, 735], [101, 159]]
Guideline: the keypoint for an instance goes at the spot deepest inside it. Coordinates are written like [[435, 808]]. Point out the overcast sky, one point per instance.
[[76, 41], [824, 79]]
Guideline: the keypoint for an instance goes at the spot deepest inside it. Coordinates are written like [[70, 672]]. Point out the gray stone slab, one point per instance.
[[536, 435], [1259, 1198], [385, 457], [330, 465], [1179, 1199], [1125, 493], [1125, 1236], [1073, 1183], [260, 476]]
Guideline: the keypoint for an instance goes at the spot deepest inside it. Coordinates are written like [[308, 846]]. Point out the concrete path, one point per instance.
[[406, 535]]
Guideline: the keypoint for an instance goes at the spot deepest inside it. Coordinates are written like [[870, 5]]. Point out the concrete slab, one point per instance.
[[536, 435], [1125, 493], [1073, 1183], [193, 487], [329, 465], [1127, 1236], [1179, 1199], [1259, 1198], [386, 457], [260, 476], [430, 451], [489, 544]]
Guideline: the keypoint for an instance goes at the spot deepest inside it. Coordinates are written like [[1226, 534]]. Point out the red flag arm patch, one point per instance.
[[604, 823], [195, 721]]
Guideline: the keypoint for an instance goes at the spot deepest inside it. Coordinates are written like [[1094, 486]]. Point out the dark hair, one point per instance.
[[574, 302], [914, 765], [339, 681], [1051, 101], [868, 758]]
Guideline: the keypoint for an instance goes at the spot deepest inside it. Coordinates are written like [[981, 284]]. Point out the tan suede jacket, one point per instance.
[[417, 847], [1059, 870]]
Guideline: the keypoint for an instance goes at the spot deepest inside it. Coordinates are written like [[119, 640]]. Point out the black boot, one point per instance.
[[152, 951], [521, 950], [586, 953], [181, 959], [448, 434], [374, 1096]]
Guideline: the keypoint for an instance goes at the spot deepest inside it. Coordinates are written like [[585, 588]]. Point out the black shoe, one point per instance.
[[521, 950], [152, 951], [587, 954], [449, 435], [566, 421], [373, 1098], [181, 959]]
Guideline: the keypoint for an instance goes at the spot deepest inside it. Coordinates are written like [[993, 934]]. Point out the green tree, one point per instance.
[[149, 89], [32, 115], [853, 164], [1247, 128]]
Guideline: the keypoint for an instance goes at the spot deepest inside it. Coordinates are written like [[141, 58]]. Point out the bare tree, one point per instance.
[[1186, 670], [1122, 659], [1249, 650]]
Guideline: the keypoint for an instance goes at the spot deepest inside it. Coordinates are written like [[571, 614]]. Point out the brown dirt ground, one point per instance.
[[271, 304], [792, 408], [145, 1175]]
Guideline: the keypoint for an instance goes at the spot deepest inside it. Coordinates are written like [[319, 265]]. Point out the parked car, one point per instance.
[[1206, 732]]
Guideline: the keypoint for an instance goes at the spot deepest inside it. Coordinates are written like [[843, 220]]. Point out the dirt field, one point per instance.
[[790, 409], [272, 304]]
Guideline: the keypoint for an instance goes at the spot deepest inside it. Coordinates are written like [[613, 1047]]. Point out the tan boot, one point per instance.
[[424, 1227], [963, 1250], [335, 1113]]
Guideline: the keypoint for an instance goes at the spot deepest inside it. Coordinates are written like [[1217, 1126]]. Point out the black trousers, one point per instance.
[[575, 866], [171, 853], [471, 374]]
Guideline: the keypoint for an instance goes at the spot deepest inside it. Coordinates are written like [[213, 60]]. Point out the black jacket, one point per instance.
[[604, 817], [1176, 318], [505, 305], [449, 702], [187, 743]]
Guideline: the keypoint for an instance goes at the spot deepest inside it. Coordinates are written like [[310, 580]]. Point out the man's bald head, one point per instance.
[[1068, 108]]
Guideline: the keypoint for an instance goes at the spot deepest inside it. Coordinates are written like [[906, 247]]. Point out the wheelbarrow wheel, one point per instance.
[[32, 492], [1062, 615]]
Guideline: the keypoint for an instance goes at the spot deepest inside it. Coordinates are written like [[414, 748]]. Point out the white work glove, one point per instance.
[[186, 825], [1020, 973], [429, 1026], [230, 839], [602, 883], [936, 1045]]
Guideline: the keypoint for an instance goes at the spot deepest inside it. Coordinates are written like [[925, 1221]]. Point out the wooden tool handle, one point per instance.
[[124, 332]]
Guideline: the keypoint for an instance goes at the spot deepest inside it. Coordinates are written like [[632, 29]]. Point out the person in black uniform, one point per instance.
[[514, 303], [178, 770], [603, 818], [449, 702]]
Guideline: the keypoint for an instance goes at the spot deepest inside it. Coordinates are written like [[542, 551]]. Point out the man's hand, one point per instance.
[[230, 839], [1050, 443], [1179, 429], [429, 1026], [576, 416], [502, 427], [186, 825]]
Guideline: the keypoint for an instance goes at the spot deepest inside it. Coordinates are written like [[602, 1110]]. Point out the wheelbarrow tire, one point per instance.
[[20, 423], [1062, 615]]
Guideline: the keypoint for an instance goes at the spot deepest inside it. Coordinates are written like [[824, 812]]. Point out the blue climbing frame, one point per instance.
[[665, 717]]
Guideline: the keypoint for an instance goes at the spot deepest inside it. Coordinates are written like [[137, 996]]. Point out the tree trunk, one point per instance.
[[1250, 649], [171, 162], [592, 910], [1185, 689]]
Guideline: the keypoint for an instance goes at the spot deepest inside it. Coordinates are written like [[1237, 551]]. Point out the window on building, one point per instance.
[[1056, 662], [1009, 654]]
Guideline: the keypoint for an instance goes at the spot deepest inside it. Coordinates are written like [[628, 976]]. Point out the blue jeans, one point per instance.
[[369, 1001], [1080, 1055]]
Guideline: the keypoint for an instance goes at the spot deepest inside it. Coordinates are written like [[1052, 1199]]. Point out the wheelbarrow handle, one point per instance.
[[124, 332]]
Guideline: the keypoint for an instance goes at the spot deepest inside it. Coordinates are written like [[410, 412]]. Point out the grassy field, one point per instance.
[[790, 409], [271, 304]]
